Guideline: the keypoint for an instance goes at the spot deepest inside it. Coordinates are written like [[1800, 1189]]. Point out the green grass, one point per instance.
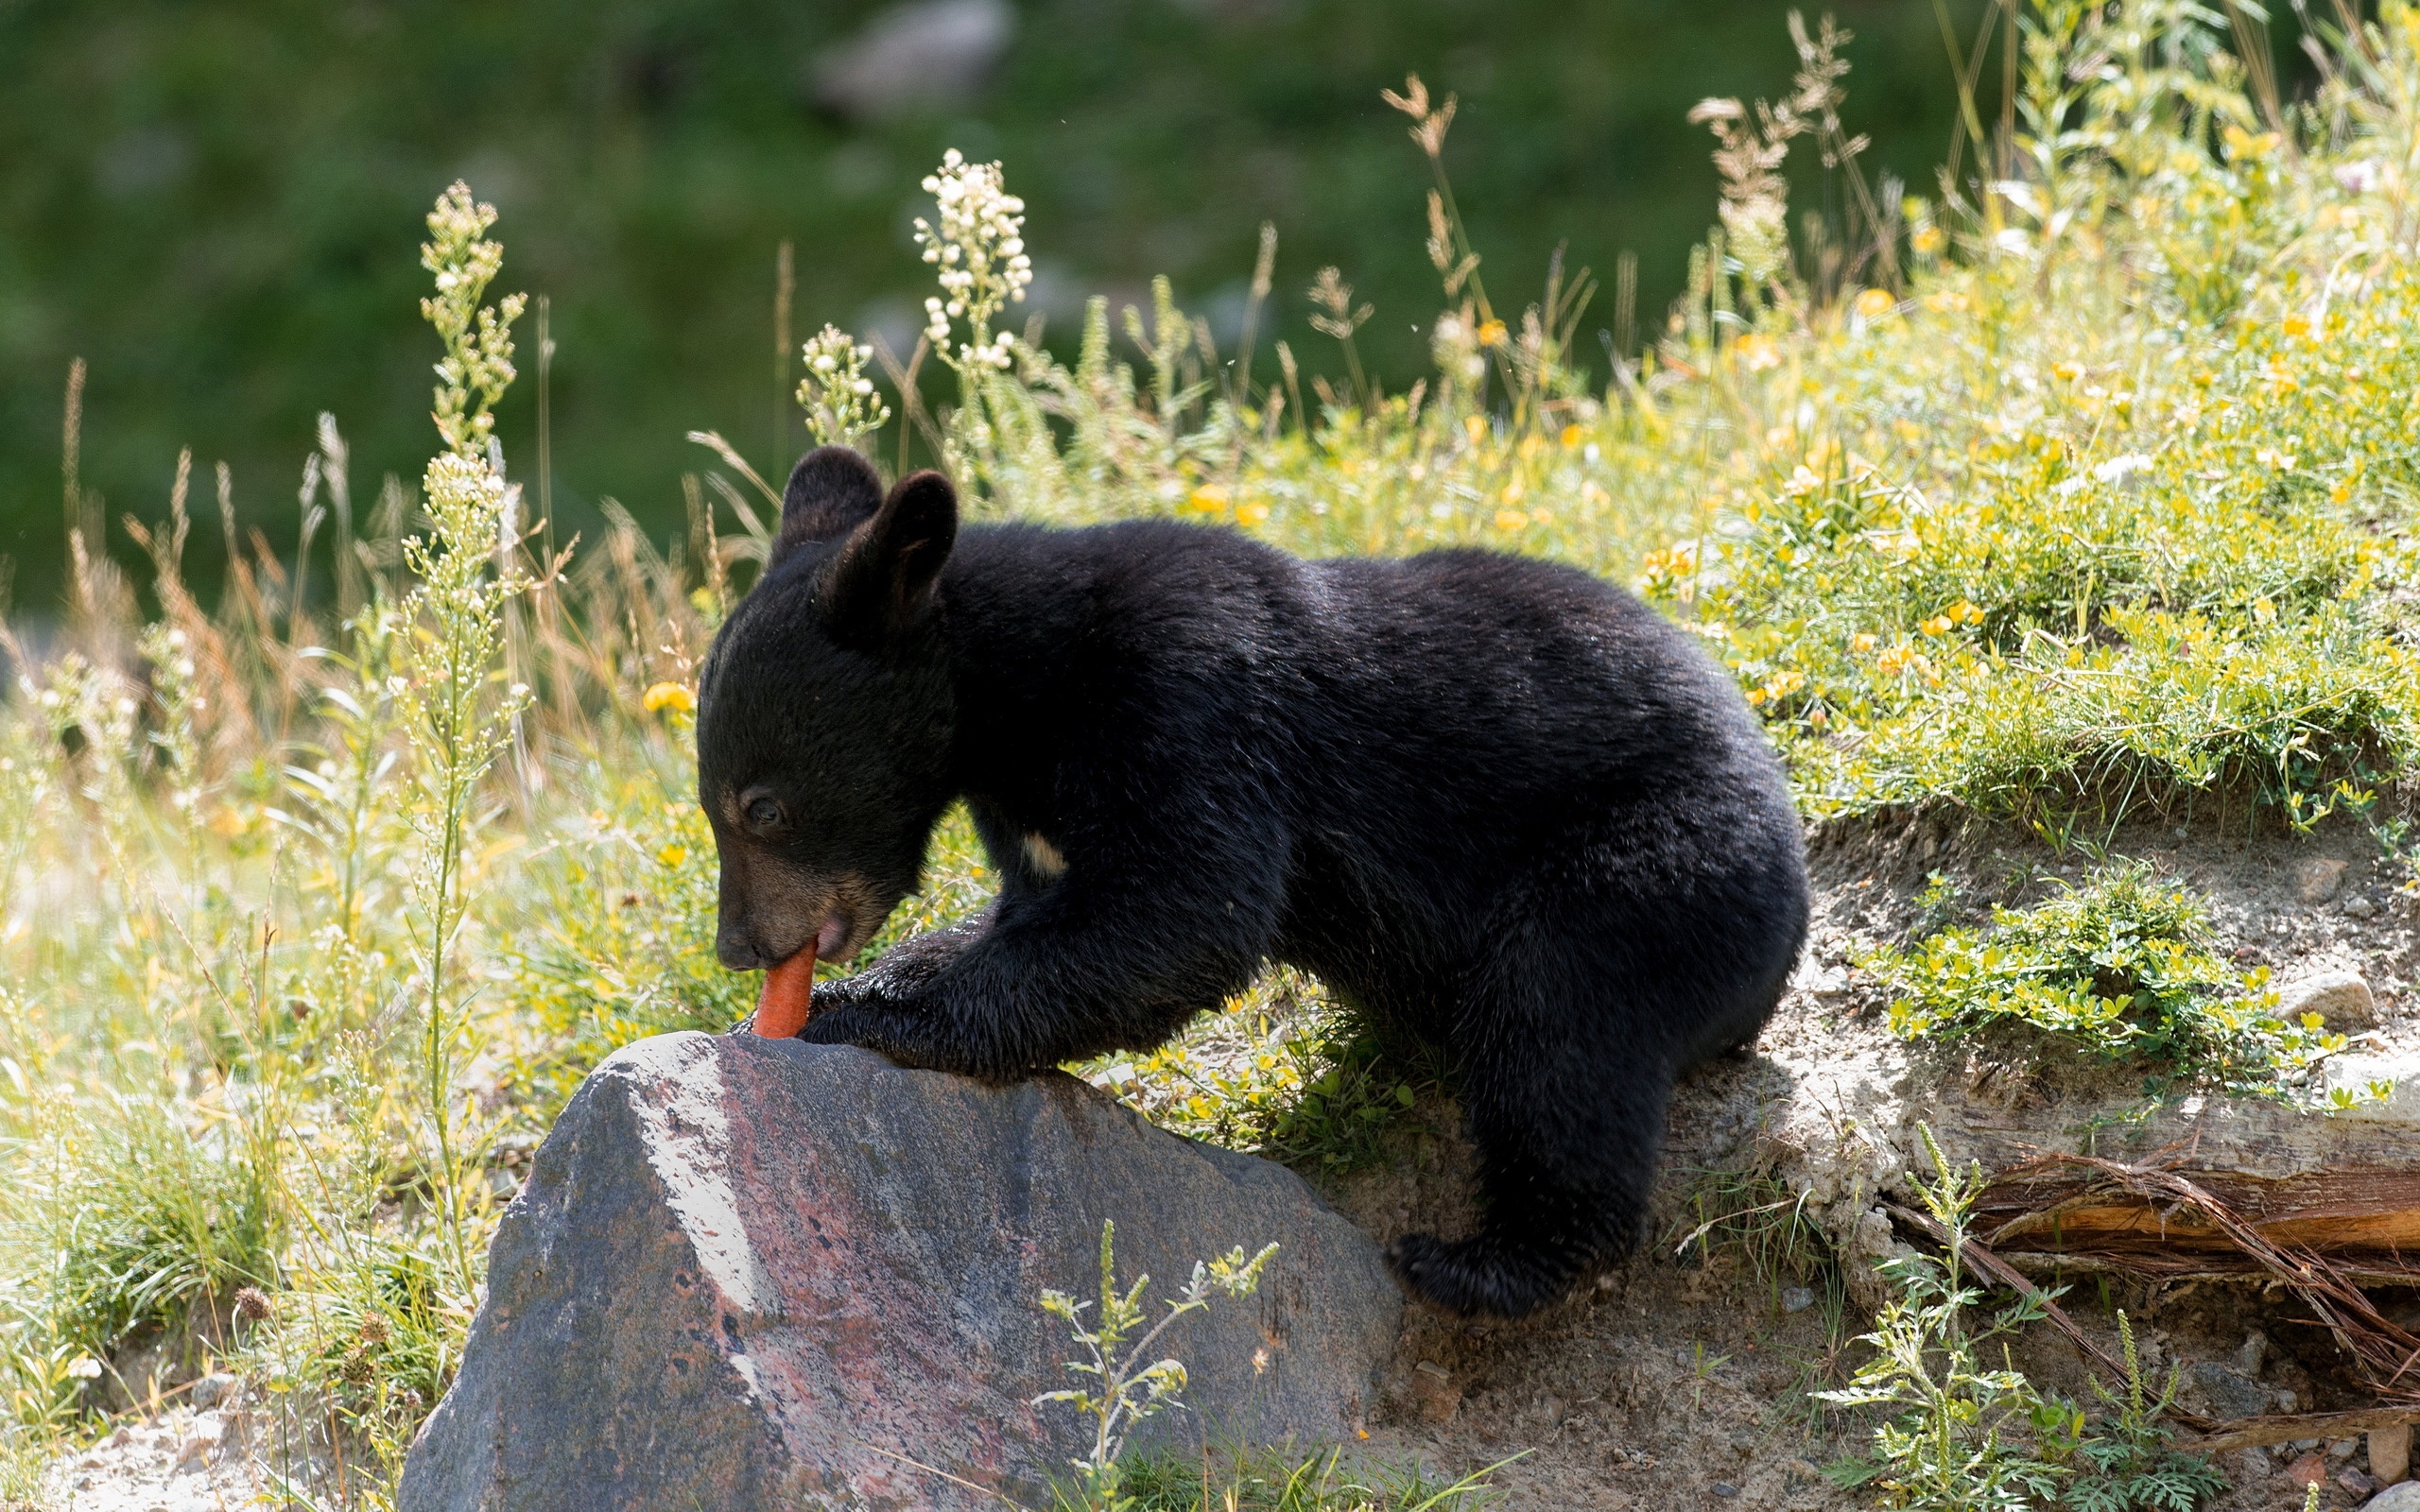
[[310, 918], [1283, 1072], [1227, 1480]]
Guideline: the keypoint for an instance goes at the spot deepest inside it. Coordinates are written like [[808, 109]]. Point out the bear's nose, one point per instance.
[[737, 950]]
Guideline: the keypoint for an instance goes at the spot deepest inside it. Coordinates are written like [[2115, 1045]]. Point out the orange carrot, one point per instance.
[[782, 1010]]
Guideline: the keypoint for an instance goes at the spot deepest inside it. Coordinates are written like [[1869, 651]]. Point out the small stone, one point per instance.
[[2341, 997], [217, 1387], [2400, 1498], [1796, 1298], [2343, 1448], [2230, 1393], [2390, 1454], [2355, 1482], [2360, 906], [2254, 1353], [2318, 879], [1434, 1393], [2308, 1471], [1725, 1488], [2252, 1466], [206, 1432]]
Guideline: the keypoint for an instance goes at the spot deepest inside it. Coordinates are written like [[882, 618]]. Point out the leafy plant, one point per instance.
[[458, 724], [2131, 1468], [1965, 1437], [1129, 1387], [2123, 968], [1968, 1439]]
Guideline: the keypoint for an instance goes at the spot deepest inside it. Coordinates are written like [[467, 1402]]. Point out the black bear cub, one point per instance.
[[1487, 799]]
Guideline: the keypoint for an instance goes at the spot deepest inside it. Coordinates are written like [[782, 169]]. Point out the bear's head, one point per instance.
[[826, 716]]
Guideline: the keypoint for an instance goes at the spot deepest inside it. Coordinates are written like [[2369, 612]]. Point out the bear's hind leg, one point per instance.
[[1568, 1113]]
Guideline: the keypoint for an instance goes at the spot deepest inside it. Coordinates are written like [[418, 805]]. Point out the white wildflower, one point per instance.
[[979, 249], [836, 393]]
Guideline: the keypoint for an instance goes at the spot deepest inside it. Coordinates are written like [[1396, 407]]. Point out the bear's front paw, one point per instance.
[[1471, 1275], [871, 1023]]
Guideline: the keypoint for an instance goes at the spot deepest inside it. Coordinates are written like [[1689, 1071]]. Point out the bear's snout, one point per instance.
[[769, 911]]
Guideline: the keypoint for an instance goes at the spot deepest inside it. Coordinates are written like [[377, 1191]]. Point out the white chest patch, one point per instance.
[[1044, 856]]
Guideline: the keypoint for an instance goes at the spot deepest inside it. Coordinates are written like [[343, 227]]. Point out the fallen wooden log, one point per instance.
[[2259, 1432], [2214, 1436], [2051, 1208]]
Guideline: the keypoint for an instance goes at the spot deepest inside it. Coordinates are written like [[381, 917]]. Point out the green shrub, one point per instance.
[[2122, 969]]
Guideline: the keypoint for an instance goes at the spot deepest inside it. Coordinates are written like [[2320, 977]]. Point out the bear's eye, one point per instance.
[[764, 813]]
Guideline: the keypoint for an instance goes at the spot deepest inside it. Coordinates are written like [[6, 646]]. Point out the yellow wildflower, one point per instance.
[[2243, 146], [1210, 499], [672, 855], [1896, 660], [1491, 333], [664, 696], [1251, 512], [1927, 239], [1863, 642], [1511, 518], [1756, 351], [1876, 303], [1572, 436]]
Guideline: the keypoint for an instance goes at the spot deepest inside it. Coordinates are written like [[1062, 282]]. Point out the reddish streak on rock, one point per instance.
[[782, 1010]]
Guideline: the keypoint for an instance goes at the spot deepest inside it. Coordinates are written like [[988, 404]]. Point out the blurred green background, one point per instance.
[[216, 204]]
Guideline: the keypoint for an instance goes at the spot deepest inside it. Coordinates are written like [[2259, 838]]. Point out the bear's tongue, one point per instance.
[[782, 1009]]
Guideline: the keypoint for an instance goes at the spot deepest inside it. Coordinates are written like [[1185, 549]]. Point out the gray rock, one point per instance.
[[2404, 1497], [748, 1273], [2229, 1393], [916, 59], [2341, 997]]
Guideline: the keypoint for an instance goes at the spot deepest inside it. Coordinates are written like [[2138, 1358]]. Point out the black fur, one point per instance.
[[1489, 800]]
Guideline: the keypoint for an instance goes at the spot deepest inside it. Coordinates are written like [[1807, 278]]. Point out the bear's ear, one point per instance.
[[883, 578], [833, 491]]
